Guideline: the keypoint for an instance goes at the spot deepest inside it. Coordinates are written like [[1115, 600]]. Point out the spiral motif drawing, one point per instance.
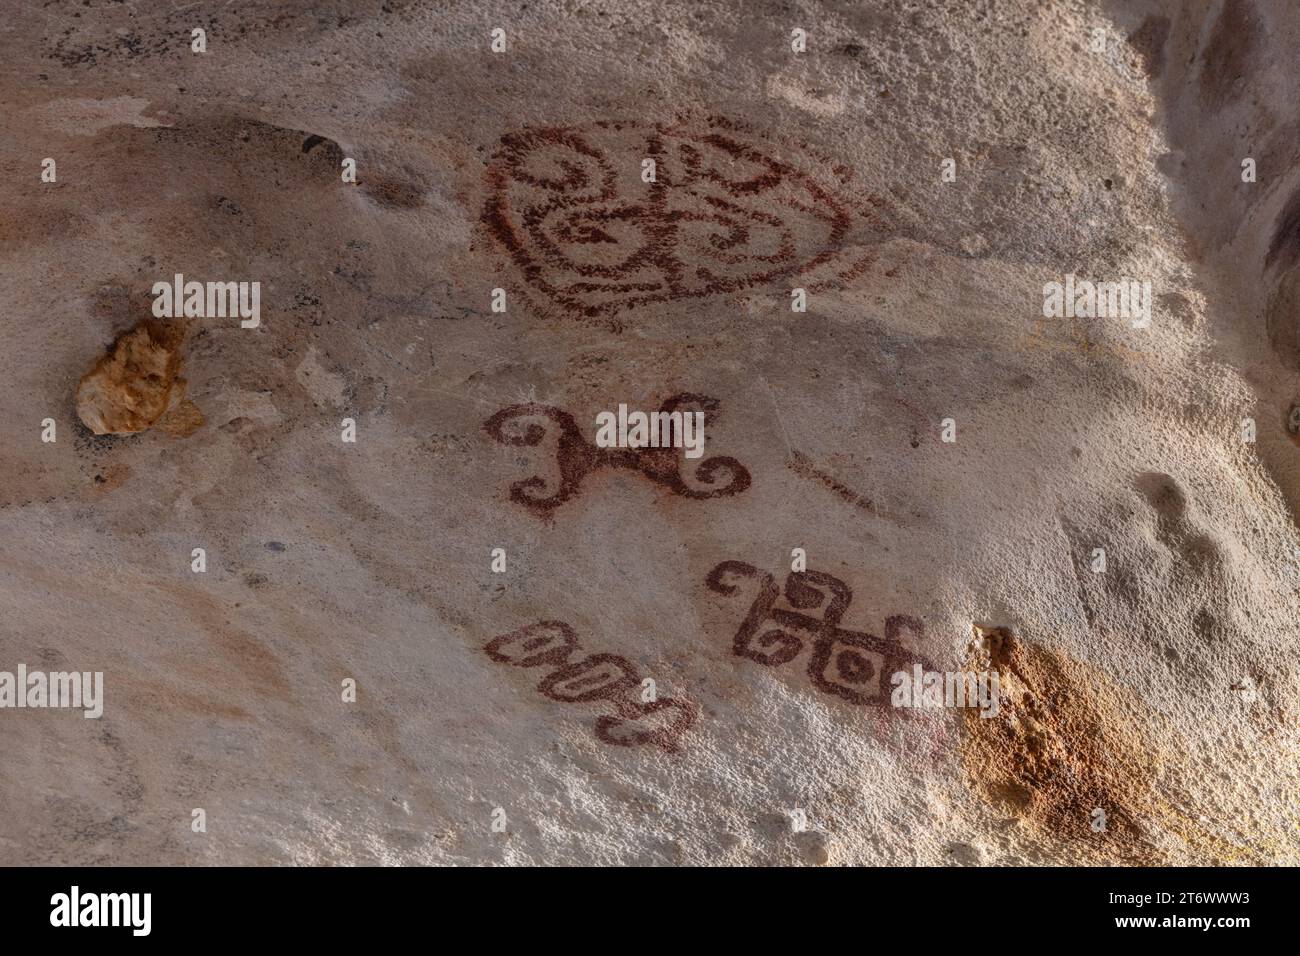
[[533, 425], [588, 233]]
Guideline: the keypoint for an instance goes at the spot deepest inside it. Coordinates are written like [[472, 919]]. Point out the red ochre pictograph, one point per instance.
[[530, 424], [781, 623], [607, 678], [587, 233]]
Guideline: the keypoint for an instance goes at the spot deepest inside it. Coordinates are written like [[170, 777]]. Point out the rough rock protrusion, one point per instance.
[[132, 386]]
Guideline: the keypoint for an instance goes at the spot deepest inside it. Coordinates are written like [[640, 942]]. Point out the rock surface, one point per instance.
[[505, 716]]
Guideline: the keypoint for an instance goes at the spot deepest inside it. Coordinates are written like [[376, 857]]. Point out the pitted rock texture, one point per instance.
[[1161, 690]]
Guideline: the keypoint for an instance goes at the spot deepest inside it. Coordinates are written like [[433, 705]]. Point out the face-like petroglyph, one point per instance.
[[531, 424], [852, 665], [723, 213], [608, 678]]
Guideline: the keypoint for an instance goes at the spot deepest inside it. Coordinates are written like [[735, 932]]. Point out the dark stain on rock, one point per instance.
[[393, 193], [1284, 249], [1282, 316], [1228, 54], [244, 139], [227, 205], [1149, 42]]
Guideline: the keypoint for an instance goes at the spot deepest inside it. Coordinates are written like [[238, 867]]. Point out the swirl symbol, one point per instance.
[[533, 424], [592, 236]]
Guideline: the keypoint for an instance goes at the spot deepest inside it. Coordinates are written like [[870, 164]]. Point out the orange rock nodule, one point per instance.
[[132, 386]]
